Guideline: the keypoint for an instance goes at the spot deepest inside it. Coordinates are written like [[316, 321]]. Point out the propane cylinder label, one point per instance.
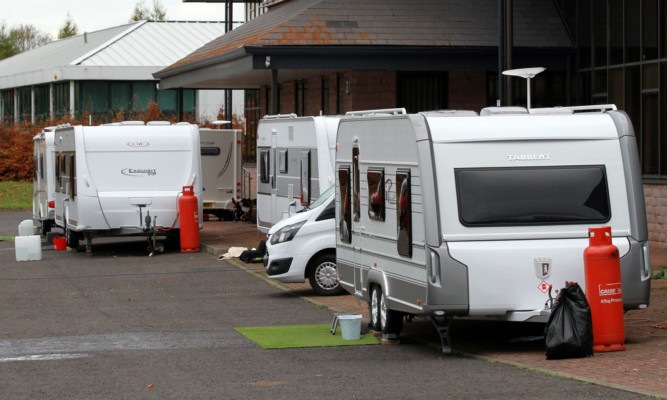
[[610, 292]]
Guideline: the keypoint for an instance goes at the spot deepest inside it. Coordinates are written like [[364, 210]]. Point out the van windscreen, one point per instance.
[[532, 195]]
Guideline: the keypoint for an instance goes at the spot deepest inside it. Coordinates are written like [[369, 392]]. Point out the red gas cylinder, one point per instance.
[[602, 267], [187, 208]]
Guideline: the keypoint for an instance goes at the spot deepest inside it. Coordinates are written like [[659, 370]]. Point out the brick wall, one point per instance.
[[369, 90], [656, 214], [467, 90]]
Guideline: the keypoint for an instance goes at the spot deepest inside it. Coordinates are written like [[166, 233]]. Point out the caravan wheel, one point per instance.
[[390, 320], [374, 308], [72, 239]]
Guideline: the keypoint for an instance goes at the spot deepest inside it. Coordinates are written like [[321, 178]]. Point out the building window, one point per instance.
[[420, 91], [650, 29], [325, 95], [650, 143], [632, 31]]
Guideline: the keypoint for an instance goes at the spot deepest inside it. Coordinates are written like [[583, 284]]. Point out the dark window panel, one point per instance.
[[632, 30], [650, 144], [650, 29]]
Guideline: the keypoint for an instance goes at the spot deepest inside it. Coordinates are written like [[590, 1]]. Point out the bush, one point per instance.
[[16, 147], [16, 160]]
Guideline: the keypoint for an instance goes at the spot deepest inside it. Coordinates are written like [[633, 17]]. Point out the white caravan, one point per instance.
[[295, 164], [124, 179], [457, 214], [43, 182], [222, 173]]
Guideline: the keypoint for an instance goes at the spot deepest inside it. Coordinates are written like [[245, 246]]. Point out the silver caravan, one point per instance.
[[457, 214], [124, 179], [295, 161], [222, 173], [43, 182]]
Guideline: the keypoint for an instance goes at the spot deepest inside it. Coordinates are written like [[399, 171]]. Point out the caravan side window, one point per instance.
[[345, 212], [42, 167], [355, 172], [264, 173], [210, 151], [282, 160], [305, 177], [403, 213], [72, 176], [376, 194]]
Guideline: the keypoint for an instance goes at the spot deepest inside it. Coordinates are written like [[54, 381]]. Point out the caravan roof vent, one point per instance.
[[593, 108], [550, 111], [449, 113], [292, 115], [377, 113], [503, 111], [158, 123]]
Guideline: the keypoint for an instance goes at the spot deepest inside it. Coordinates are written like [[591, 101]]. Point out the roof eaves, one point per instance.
[[108, 43], [202, 63]]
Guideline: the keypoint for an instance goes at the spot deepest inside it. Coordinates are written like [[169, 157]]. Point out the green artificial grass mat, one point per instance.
[[283, 337], [6, 238]]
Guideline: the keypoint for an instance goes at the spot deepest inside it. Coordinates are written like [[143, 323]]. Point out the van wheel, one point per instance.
[[391, 321], [323, 276], [71, 239], [374, 308]]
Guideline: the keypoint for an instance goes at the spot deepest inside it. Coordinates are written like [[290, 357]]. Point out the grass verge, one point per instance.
[[15, 195]]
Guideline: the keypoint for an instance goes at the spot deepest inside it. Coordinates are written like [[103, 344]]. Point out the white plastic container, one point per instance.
[[350, 326], [28, 248], [26, 228]]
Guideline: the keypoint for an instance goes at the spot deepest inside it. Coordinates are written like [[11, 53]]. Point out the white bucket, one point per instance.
[[28, 248], [26, 228], [350, 326]]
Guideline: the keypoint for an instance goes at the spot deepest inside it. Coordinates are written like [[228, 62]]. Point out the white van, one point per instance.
[[304, 247], [455, 214], [295, 161], [43, 182], [124, 179], [221, 169]]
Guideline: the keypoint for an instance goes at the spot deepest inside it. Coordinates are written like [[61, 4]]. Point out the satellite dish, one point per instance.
[[527, 74], [219, 122]]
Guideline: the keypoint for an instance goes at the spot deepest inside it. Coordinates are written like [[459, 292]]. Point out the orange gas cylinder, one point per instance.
[[187, 208], [602, 267]]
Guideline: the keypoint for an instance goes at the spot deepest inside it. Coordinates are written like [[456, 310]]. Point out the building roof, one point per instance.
[[127, 52], [393, 24]]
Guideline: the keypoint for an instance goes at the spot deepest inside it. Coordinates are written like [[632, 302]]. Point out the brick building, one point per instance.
[[333, 56]]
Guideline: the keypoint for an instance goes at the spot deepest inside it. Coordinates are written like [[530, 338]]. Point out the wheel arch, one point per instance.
[[311, 262]]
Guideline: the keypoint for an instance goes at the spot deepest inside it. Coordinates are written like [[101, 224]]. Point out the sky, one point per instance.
[[92, 15]]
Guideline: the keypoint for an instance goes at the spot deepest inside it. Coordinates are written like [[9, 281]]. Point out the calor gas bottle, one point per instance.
[[604, 291], [189, 214]]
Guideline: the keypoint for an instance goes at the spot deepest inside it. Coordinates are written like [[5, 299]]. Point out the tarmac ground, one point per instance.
[[641, 368]]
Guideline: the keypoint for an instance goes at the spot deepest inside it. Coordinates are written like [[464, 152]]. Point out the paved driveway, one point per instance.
[[120, 324]]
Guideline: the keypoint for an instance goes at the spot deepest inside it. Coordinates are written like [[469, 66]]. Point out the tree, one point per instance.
[[141, 12], [28, 37], [68, 29], [7, 46]]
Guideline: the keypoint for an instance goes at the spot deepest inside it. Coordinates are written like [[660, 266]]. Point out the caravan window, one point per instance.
[[533, 196], [42, 167], [264, 173], [345, 212], [282, 160], [355, 172], [210, 151], [57, 171], [404, 213], [72, 176], [305, 177], [376, 194]]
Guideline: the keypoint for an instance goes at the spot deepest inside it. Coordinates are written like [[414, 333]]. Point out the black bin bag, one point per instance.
[[569, 331]]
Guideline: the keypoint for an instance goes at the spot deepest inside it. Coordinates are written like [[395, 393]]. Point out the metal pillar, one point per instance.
[[71, 99], [51, 113], [508, 38]]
